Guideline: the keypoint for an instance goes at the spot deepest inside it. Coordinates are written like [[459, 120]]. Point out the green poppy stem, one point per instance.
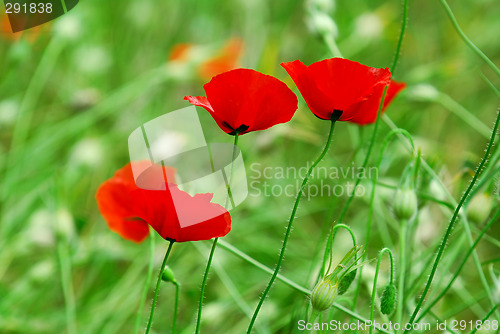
[[149, 275], [176, 307], [214, 244], [289, 227], [158, 283], [452, 222]]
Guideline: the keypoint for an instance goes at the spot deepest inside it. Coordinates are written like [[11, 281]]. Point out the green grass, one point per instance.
[[70, 97]]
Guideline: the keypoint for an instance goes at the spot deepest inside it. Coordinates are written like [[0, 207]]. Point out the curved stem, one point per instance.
[[375, 279], [330, 253], [158, 283], [467, 40], [453, 220], [289, 227], [147, 282]]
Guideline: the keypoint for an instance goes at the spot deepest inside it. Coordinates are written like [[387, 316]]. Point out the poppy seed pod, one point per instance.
[[388, 300], [346, 282], [405, 204], [168, 275], [479, 208], [324, 294]]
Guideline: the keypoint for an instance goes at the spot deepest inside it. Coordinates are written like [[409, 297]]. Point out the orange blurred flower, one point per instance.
[[215, 62], [225, 60]]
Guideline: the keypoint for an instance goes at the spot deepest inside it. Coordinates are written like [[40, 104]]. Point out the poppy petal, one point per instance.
[[202, 101], [173, 213], [177, 215], [119, 209], [367, 110]]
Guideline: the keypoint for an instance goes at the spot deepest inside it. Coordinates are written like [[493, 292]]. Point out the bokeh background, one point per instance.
[[72, 90]]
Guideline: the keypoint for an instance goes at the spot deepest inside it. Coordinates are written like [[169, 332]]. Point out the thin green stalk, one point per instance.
[[467, 41], [176, 306], [147, 282], [485, 318], [289, 227], [214, 244], [464, 114], [353, 238], [158, 283], [230, 248], [452, 200], [453, 220], [204, 283], [462, 264], [375, 279], [332, 45], [402, 272]]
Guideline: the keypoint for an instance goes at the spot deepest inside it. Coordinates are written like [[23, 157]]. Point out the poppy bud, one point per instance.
[[405, 204], [346, 282], [388, 300], [324, 294], [479, 208], [168, 275]]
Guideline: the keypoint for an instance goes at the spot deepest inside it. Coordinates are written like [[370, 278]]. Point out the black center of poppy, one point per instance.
[[336, 113], [238, 130]]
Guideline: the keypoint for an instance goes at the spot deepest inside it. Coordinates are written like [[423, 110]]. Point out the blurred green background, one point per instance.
[[73, 90]]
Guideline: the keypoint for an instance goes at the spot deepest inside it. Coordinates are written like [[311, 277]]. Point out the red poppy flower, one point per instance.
[[245, 100], [341, 89], [173, 213]]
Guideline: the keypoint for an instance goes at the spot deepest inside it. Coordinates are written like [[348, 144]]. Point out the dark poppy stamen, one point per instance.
[[242, 128], [336, 113]]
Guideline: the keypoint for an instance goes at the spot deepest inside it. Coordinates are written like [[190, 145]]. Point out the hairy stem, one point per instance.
[[158, 283], [289, 227], [147, 282], [453, 221]]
